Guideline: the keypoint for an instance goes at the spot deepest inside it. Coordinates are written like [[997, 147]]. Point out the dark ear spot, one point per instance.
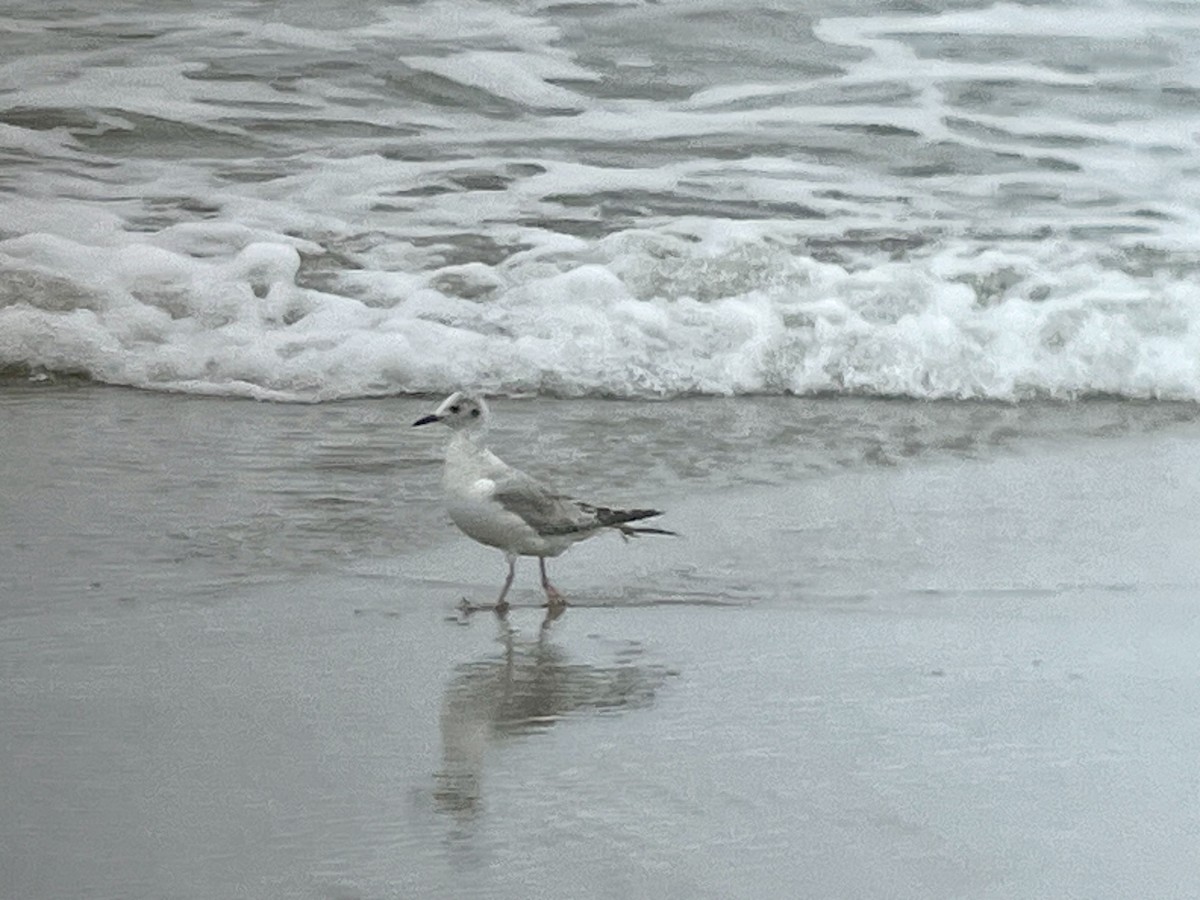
[[475, 413]]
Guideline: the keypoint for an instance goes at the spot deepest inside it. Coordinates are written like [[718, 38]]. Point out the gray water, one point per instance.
[[216, 495], [936, 650], [944, 200], [917, 638]]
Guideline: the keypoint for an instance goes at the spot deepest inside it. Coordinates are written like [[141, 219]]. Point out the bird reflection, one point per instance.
[[524, 689]]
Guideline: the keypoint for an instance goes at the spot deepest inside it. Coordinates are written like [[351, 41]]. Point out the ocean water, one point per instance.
[[936, 649], [938, 199], [115, 497], [901, 650]]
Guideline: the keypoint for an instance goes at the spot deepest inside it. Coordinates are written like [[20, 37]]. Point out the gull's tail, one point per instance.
[[618, 519]]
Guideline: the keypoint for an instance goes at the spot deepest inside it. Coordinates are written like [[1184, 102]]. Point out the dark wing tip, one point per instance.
[[606, 517], [635, 531]]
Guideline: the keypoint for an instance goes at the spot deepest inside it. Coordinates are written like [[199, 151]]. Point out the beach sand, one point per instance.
[[900, 650]]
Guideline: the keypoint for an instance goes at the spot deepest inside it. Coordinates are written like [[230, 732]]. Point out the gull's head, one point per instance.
[[458, 411]]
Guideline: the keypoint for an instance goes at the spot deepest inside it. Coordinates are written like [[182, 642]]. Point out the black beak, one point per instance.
[[425, 420]]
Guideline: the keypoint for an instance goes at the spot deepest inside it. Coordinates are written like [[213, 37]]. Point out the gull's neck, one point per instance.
[[466, 457], [465, 444], [476, 437]]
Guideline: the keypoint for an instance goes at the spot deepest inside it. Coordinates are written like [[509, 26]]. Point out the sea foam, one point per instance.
[[723, 312], [991, 203]]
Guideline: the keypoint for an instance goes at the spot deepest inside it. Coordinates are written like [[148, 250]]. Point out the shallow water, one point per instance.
[[915, 747], [904, 650], [213, 494]]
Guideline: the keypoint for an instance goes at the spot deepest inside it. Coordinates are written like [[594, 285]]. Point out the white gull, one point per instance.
[[500, 506]]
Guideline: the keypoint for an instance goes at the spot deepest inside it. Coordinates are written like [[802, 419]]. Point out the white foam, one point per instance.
[[42, 143], [245, 242], [460, 21], [1103, 20], [516, 76], [159, 88], [722, 313]]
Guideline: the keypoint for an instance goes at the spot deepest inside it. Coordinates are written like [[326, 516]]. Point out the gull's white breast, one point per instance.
[[488, 522], [471, 503]]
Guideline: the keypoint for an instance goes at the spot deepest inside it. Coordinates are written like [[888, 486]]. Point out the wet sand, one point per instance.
[[902, 650]]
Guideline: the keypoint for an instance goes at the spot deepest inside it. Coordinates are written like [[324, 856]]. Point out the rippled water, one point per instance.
[[954, 200], [904, 649], [213, 494]]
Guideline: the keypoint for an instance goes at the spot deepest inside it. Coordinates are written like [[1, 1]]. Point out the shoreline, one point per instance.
[[970, 673]]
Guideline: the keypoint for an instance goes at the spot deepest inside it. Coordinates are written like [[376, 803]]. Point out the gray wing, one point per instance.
[[546, 512]]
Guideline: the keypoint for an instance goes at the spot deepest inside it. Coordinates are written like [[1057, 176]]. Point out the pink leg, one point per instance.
[[553, 597], [501, 603]]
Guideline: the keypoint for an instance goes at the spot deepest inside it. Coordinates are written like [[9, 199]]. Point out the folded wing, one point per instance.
[[553, 514]]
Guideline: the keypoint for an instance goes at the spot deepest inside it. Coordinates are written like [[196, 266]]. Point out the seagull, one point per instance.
[[497, 505]]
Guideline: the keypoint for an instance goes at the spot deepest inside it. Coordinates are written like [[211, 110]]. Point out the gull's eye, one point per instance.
[[475, 413], [454, 408]]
